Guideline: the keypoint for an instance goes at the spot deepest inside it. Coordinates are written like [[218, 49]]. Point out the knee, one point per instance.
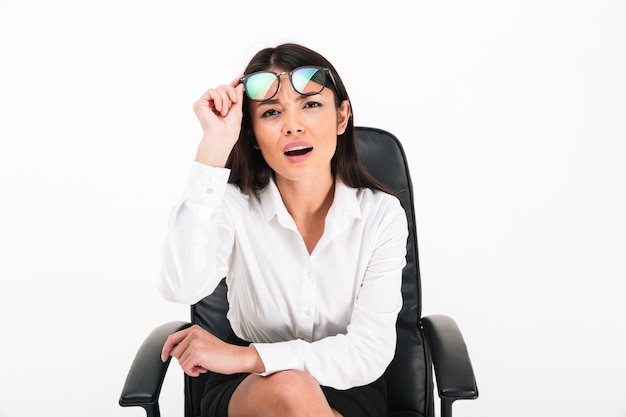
[[283, 394], [292, 382], [294, 390]]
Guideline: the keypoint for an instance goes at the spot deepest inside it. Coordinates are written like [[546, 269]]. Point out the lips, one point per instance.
[[297, 149], [300, 150]]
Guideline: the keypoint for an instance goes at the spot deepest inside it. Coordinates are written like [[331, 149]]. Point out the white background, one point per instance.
[[512, 114]]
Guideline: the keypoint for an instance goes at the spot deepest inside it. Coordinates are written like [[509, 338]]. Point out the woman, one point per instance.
[[311, 246]]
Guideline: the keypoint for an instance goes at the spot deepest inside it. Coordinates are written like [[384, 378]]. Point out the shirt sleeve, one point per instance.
[[362, 354], [199, 238]]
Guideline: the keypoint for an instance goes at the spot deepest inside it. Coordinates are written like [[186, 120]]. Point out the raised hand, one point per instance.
[[219, 111]]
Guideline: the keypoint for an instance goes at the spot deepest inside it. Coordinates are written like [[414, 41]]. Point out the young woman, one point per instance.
[[311, 246]]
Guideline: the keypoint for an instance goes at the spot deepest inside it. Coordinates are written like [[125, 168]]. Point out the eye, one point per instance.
[[312, 104], [269, 113]]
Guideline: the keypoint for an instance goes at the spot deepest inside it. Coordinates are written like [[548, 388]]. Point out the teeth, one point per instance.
[[297, 148]]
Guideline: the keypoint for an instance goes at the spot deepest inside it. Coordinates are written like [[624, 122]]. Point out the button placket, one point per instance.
[[308, 296]]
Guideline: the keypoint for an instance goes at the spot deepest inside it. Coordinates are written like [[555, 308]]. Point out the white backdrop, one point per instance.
[[512, 115]]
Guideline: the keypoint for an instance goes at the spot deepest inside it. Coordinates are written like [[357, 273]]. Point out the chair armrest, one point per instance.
[[145, 376], [453, 369]]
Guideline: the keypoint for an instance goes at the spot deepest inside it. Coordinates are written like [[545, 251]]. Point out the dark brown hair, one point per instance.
[[249, 170]]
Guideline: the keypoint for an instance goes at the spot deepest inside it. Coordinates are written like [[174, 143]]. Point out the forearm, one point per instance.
[[341, 361], [213, 153], [252, 360]]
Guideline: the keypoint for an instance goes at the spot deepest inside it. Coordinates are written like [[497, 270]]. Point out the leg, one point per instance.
[[283, 394]]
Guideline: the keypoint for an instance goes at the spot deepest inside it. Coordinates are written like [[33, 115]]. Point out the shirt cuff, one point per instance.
[[281, 356], [206, 184]]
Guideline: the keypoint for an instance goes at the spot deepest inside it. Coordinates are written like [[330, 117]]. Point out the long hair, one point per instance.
[[250, 172]]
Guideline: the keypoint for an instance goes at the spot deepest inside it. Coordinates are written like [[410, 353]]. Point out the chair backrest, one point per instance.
[[409, 376]]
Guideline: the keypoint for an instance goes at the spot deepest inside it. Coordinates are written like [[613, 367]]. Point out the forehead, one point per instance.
[[279, 70]]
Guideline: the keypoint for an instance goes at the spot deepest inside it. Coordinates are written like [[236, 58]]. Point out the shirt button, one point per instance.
[[209, 191], [212, 180], [307, 312]]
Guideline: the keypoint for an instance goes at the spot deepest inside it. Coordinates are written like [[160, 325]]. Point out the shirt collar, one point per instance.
[[345, 204]]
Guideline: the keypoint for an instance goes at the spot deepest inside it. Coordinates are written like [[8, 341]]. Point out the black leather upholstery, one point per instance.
[[409, 377]]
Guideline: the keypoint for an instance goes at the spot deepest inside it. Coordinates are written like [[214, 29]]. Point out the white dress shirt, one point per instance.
[[331, 313]]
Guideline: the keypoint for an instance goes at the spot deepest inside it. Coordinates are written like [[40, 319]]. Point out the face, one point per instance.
[[297, 134]]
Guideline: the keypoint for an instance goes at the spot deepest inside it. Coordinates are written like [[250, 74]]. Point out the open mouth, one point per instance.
[[298, 150]]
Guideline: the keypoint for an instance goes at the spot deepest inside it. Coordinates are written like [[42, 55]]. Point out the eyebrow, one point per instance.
[[273, 101]]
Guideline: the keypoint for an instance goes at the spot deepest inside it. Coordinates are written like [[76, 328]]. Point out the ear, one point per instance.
[[344, 112]]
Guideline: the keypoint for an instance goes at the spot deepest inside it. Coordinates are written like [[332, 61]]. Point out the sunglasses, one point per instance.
[[264, 85]]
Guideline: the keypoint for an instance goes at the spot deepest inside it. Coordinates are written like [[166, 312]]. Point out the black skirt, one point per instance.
[[365, 401]]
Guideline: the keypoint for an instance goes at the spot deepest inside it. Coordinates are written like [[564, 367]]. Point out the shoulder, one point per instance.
[[383, 217], [378, 208], [377, 201]]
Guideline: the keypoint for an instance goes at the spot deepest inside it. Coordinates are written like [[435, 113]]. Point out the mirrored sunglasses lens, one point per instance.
[[308, 80], [261, 86]]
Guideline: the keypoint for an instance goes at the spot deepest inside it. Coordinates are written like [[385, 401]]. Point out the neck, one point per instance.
[[307, 199], [308, 203]]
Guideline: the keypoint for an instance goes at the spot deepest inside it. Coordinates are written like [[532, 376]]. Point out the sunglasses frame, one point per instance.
[[324, 70]]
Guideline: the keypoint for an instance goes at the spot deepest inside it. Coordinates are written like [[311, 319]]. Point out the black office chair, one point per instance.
[[423, 343]]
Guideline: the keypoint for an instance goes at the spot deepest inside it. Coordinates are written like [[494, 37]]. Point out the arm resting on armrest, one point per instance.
[[453, 369], [146, 374]]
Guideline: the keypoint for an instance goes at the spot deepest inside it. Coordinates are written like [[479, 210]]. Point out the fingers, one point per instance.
[[183, 345], [239, 89], [195, 371], [221, 99], [216, 100], [189, 362], [172, 341], [234, 83]]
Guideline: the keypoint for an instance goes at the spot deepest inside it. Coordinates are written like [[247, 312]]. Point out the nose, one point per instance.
[[292, 124], [290, 131]]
